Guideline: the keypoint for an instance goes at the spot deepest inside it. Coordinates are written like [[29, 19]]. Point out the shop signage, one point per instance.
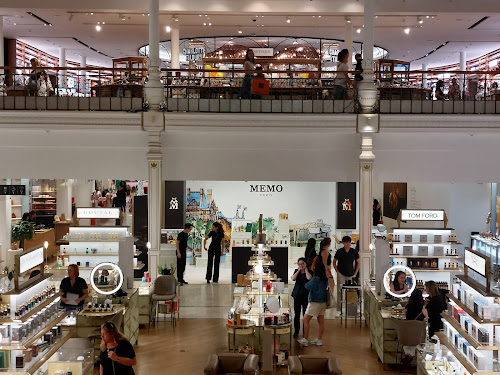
[[422, 215], [30, 260], [175, 204], [263, 52], [12, 190], [98, 213], [475, 262], [194, 53], [330, 51], [266, 188], [346, 205]]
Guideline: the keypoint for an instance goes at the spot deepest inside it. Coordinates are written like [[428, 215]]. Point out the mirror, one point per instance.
[[106, 278], [410, 280], [273, 305]]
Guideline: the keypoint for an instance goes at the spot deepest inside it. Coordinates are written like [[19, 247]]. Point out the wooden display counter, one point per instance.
[[61, 229], [40, 237], [382, 325]]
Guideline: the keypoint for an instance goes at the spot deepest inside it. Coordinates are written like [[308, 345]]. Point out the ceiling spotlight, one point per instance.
[[204, 24], [210, 24], [420, 20], [240, 31], [98, 27], [358, 31], [319, 16], [176, 19], [168, 28], [91, 14], [143, 15], [348, 19], [288, 20], [407, 30], [121, 16], [295, 42], [104, 23]]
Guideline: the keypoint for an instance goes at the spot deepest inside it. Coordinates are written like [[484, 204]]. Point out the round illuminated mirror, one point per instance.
[[399, 281], [273, 305], [106, 278]]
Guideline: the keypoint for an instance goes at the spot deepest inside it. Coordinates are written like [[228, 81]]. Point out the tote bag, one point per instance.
[[260, 86]]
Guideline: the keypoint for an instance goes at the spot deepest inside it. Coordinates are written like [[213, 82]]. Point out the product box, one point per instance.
[[465, 348], [456, 311], [438, 238], [467, 326], [408, 250], [461, 319], [485, 312], [459, 294], [423, 250], [479, 361], [474, 331], [483, 336], [438, 251], [455, 288], [477, 306], [457, 340], [5, 333], [16, 334], [408, 238]]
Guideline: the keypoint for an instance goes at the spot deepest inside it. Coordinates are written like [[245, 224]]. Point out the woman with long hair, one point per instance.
[[316, 308], [435, 305], [249, 67], [414, 310], [117, 353], [215, 250], [300, 294], [310, 252], [326, 258], [342, 80], [398, 285]]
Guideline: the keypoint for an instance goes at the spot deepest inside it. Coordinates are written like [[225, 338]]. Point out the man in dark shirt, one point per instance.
[[346, 263], [182, 245]]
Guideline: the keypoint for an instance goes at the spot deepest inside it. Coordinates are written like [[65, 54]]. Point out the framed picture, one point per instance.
[[395, 198]]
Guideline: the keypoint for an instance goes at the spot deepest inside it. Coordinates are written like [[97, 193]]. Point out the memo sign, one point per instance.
[[98, 213]]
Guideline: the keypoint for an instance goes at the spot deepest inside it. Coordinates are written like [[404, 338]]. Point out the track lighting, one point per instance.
[[240, 31]]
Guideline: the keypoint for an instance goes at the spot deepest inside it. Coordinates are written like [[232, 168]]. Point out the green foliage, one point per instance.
[[164, 270], [9, 272], [22, 231]]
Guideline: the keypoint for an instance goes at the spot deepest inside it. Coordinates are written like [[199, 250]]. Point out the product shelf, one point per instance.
[[139, 266], [471, 340], [50, 351], [87, 254], [426, 243], [470, 312], [428, 256], [476, 286], [439, 270]]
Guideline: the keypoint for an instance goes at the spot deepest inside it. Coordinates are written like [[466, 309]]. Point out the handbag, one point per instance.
[[260, 86], [330, 299]]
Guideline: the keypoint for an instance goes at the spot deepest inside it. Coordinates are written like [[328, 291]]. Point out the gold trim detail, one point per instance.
[[366, 167], [154, 165]]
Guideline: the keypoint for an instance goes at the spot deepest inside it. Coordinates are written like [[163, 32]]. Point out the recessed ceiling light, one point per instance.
[[358, 31], [407, 30], [288, 20], [98, 27], [319, 16], [168, 29]]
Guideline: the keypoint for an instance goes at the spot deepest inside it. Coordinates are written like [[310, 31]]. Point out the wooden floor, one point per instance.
[[185, 349]]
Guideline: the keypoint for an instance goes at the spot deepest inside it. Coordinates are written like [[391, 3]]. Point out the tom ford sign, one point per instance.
[[422, 215], [98, 213], [266, 188]]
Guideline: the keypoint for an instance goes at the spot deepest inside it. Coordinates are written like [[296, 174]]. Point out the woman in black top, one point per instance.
[[300, 294], [439, 90], [414, 310], [377, 213], [117, 354], [326, 257], [75, 285], [215, 250], [398, 285], [435, 305], [310, 252]]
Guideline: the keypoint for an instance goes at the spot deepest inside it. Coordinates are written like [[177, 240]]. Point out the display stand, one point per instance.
[[32, 323], [168, 247], [90, 245], [431, 253]]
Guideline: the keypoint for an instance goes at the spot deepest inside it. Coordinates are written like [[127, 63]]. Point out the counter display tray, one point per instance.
[[101, 313]]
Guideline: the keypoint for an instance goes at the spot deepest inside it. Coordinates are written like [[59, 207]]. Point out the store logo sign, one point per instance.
[[98, 213], [347, 205], [422, 215], [266, 188], [174, 204], [475, 262], [30, 260], [263, 52]]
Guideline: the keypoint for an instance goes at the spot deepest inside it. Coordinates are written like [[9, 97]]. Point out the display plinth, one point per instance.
[[242, 254]]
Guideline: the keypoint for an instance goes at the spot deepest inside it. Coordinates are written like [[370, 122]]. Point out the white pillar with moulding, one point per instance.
[[175, 45], [367, 92], [83, 190], [83, 75], [366, 160], [2, 56], [64, 198], [154, 87], [424, 76], [348, 43], [5, 224], [463, 67], [62, 64]]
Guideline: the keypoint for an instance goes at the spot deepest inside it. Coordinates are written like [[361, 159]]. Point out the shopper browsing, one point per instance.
[[310, 252], [454, 90], [117, 353], [398, 285], [435, 305], [249, 67], [439, 91], [342, 80], [346, 264], [215, 250], [326, 258], [316, 308], [181, 245], [414, 310], [300, 294]]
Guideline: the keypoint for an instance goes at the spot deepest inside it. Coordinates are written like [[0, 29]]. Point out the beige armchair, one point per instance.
[[232, 363], [313, 364]]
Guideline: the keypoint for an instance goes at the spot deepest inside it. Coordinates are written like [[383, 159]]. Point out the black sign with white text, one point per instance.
[[346, 205], [175, 204], [12, 190]]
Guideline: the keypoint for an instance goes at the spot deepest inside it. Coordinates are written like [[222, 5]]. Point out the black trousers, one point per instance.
[[297, 306], [213, 261], [181, 267]]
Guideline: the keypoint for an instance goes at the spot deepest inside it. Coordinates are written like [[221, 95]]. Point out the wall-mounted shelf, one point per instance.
[[471, 340], [470, 312], [441, 270], [427, 256], [426, 243]]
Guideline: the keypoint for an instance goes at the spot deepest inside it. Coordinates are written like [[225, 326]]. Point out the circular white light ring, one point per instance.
[[407, 271], [112, 265], [273, 305]]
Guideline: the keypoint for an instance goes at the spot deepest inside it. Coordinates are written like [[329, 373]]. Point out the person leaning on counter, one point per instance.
[[75, 289]]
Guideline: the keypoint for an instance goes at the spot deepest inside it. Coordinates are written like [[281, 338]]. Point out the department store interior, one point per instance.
[[286, 187]]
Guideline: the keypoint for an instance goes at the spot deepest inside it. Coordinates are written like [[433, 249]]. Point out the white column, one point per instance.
[[83, 190], [424, 76], [174, 48], [83, 74], [64, 198], [366, 160], [348, 43], [367, 92], [5, 224], [62, 63], [2, 57], [463, 67], [154, 87]]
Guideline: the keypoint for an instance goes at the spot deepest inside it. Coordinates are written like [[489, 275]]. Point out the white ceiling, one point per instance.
[[123, 38]]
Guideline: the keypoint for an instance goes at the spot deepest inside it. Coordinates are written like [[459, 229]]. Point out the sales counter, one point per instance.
[[39, 238], [61, 229], [379, 316]]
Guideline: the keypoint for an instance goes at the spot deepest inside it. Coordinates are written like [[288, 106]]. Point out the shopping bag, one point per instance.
[[260, 86], [330, 299]]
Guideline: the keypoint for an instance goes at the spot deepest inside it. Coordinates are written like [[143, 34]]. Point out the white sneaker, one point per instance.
[[338, 314], [316, 342], [303, 341]]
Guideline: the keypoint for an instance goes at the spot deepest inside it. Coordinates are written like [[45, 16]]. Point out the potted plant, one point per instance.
[[172, 269], [22, 231], [163, 270]]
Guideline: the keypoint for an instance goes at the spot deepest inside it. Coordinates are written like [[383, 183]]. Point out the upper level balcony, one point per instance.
[[229, 91]]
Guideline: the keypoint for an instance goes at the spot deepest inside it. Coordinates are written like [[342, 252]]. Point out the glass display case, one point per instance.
[[438, 361], [489, 246]]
